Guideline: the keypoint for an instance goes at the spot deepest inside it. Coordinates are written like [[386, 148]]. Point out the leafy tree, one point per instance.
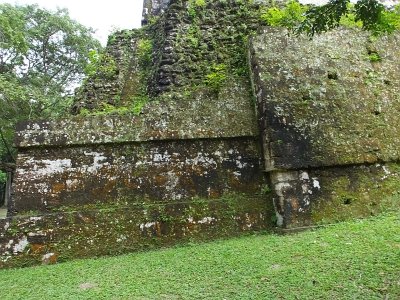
[[367, 14], [373, 15], [43, 56]]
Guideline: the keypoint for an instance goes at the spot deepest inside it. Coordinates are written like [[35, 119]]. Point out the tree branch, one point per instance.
[[8, 167]]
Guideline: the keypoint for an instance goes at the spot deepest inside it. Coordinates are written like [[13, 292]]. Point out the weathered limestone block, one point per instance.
[[103, 185], [124, 174], [333, 100], [329, 120], [174, 150], [200, 118], [112, 230]]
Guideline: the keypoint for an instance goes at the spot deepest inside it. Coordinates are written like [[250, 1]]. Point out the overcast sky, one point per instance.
[[103, 16]]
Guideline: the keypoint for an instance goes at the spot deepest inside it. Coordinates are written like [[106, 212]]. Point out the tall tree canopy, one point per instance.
[[43, 55], [372, 14]]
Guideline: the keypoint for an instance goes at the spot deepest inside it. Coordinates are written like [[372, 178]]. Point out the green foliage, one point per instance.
[[46, 48], [93, 64], [323, 18], [194, 6], [289, 16], [103, 110], [217, 77], [388, 22], [369, 14], [12, 39], [349, 20], [3, 177], [273, 16], [374, 57], [200, 3], [43, 57], [193, 35], [101, 65], [107, 67], [107, 109], [138, 102], [15, 105], [144, 52], [151, 20], [116, 99], [265, 189]]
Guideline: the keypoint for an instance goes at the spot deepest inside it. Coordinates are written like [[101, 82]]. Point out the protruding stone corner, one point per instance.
[[318, 143], [292, 201], [309, 117]]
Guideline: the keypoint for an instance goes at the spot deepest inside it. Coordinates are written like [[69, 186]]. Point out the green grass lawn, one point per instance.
[[353, 260]]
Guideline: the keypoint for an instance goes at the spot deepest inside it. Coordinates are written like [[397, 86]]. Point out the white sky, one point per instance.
[[103, 16]]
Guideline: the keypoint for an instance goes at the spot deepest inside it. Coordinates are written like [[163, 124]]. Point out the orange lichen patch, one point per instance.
[[109, 186], [49, 258], [294, 203], [37, 248], [212, 193], [197, 169], [158, 229], [369, 158], [74, 184], [130, 183], [58, 187], [160, 180], [248, 220]]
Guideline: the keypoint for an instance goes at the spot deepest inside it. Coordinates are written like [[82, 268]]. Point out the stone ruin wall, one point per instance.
[[328, 113], [152, 8], [317, 143], [188, 42], [100, 185]]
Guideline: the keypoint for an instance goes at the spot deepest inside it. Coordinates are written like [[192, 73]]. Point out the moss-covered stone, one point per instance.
[[326, 195], [189, 40], [328, 111], [119, 77], [196, 115], [52, 179], [166, 146], [110, 230], [352, 192], [323, 102]]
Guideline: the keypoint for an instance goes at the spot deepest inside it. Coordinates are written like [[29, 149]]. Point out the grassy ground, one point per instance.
[[355, 260]]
